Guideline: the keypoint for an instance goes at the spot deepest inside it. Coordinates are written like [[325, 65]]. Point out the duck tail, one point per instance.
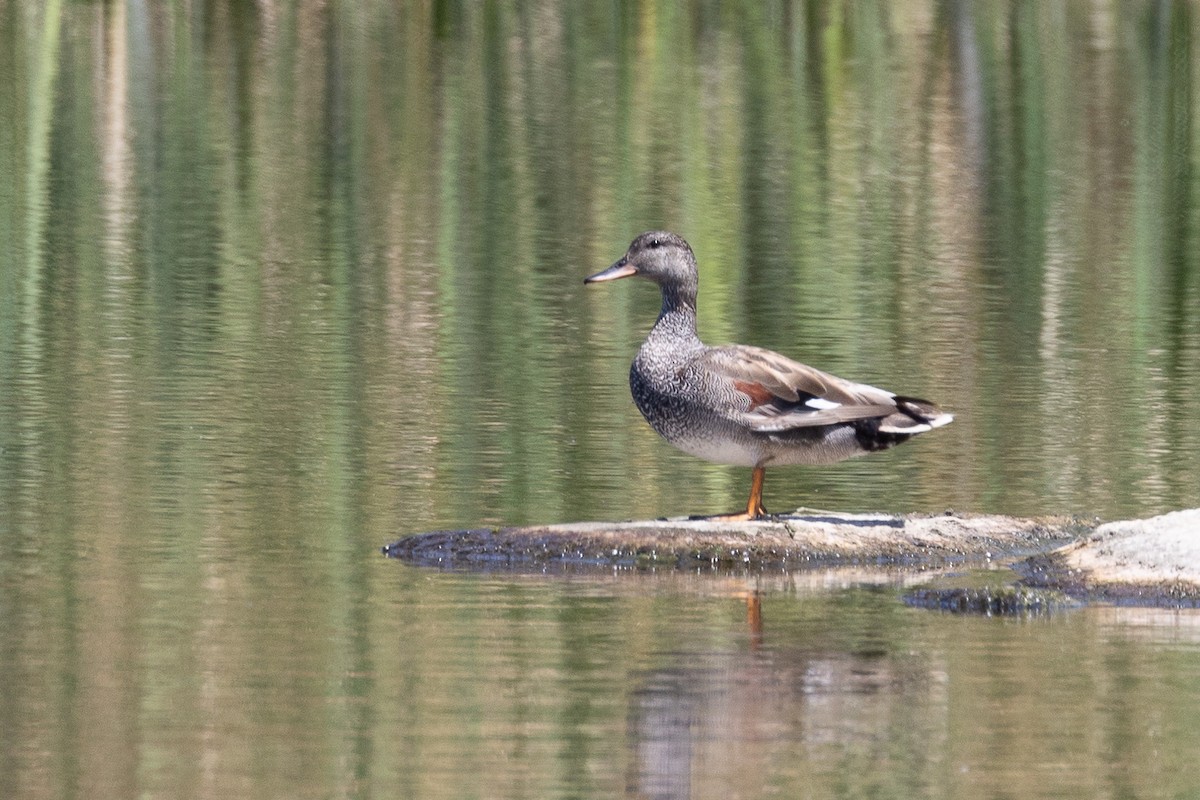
[[913, 416]]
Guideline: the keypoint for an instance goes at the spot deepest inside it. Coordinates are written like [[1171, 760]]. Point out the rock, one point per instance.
[[810, 539], [1152, 561]]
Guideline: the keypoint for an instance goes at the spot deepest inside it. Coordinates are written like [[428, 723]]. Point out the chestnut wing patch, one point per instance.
[[761, 396]]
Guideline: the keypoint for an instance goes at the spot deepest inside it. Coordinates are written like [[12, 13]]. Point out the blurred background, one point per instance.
[[281, 282]]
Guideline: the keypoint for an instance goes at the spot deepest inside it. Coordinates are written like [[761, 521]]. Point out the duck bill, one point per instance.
[[621, 269]]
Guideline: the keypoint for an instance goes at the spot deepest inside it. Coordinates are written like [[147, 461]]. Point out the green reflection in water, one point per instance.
[[280, 283]]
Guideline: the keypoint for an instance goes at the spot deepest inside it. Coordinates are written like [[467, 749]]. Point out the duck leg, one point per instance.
[[754, 506]]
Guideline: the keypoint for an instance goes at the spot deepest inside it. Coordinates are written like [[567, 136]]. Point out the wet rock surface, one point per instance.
[[1153, 561], [794, 541], [1055, 561]]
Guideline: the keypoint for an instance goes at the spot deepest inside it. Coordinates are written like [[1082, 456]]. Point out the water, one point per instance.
[[279, 284]]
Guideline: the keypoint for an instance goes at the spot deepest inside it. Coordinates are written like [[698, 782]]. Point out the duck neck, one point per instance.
[[677, 319]]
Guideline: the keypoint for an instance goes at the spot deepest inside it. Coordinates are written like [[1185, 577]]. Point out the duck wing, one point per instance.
[[783, 394]]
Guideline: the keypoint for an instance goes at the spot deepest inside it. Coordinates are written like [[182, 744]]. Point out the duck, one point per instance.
[[747, 406]]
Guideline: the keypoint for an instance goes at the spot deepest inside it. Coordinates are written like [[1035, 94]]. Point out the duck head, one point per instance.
[[661, 257]]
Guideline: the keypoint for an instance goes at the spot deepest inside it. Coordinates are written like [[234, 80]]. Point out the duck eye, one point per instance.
[[655, 243]]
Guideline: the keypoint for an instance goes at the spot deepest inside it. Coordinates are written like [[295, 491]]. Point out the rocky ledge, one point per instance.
[[1154, 561], [804, 539]]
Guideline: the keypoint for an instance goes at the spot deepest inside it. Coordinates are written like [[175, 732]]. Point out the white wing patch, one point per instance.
[[913, 429], [821, 404]]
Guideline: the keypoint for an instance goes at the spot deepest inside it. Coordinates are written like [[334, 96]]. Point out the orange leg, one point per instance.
[[754, 506]]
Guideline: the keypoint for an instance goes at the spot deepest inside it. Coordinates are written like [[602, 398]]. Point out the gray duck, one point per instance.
[[746, 406]]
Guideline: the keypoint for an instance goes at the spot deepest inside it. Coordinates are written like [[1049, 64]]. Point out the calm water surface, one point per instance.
[[280, 283]]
